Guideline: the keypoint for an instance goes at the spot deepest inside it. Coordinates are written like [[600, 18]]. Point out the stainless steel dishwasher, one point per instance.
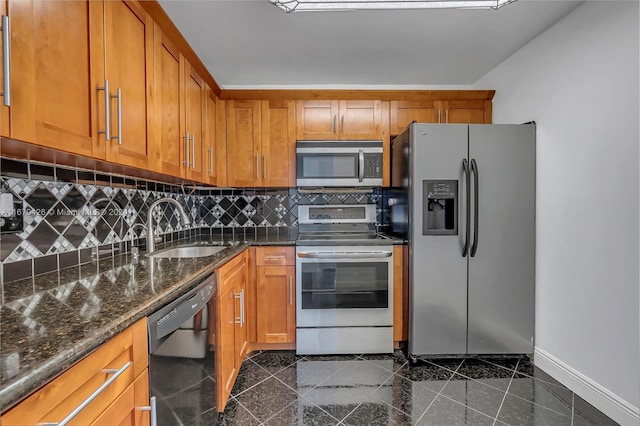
[[181, 367]]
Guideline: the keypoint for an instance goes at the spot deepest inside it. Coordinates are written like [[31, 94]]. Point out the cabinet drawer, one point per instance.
[[125, 354], [275, 256]]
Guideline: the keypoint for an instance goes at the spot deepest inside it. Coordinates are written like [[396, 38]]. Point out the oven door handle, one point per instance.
[[343, 255]]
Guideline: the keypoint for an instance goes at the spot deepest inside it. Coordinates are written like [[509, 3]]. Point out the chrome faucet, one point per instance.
[[150, 237]]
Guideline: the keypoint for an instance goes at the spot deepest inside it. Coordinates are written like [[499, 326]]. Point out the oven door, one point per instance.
[[338, 286]]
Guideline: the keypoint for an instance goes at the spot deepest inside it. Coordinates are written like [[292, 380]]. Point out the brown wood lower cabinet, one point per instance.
[[231, 325], [119, 403]]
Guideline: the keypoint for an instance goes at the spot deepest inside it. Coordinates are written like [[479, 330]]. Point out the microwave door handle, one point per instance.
[[360, 165], [332, 255]]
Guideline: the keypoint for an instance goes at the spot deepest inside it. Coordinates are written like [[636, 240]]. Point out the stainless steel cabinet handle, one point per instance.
[[152, 408], [238, 319], [344, 255], [467, 178], [116, 374], [335, 123], [193, 151], [257, 166], [242, 318], [446, 116], [360, 165], [271, 257], [264, 166], [210, 151], [118, 96], [6, 49], [107, 111], [186, 150], [342, 124], [474, 170], [291, 290]]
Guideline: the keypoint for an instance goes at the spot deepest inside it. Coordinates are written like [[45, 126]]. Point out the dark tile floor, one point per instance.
[[280, 388]]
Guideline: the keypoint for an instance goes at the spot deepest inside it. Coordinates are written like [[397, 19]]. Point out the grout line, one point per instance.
[[505, 393], [248, 411], [440, 392]]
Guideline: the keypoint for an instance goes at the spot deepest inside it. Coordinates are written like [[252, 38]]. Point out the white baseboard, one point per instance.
[[595, 394]]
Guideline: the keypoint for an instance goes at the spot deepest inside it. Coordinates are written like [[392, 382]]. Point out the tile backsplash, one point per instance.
[[70, 215]]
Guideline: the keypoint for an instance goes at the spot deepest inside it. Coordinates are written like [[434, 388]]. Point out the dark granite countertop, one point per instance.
[[73, 311]]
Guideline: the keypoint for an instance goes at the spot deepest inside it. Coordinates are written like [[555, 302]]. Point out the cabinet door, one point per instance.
[[241, 342], [125, 410], [278, 144], [225, 347], [276, 306], [195, 90], [243, 144], [360, 120], [209, 153], [168, 148], [316, 120], [56, 67], [471, 112], [404, 112], [129, 64]]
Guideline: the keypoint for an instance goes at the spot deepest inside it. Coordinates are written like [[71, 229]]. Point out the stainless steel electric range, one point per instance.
[[344, 278]]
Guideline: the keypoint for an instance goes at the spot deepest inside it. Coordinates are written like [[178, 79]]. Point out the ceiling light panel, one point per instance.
[[342, 5]]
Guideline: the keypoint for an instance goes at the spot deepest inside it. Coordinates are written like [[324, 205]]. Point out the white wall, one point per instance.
[[579, 81]]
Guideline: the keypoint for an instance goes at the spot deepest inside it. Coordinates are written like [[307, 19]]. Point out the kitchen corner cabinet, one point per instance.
[[275, 295], [57, 64], [338, 120], [124, 401], [260, 143], [231, 328]]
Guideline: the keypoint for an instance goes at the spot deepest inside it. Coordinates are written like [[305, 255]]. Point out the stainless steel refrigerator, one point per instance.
[[466, 199]]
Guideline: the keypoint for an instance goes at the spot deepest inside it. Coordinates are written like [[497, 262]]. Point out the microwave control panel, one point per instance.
[[372, 165]]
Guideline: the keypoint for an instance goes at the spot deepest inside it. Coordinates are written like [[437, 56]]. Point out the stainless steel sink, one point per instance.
[[188, 251]]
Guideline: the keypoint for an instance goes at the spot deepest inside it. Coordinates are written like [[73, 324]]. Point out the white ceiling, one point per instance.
[[253, 44]]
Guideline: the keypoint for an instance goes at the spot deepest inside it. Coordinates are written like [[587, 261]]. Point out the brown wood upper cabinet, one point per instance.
[[338, 120], [464, 112], [128, 64], [193, 132], [402, 113], [56, 63], [260, 143], [214, 154]]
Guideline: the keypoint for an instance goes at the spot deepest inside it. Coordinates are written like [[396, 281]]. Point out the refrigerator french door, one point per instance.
[[471, 192]]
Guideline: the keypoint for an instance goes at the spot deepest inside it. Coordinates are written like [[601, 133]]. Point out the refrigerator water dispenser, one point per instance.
[[440, 208]]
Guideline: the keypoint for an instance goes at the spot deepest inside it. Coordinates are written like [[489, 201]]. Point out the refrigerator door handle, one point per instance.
[[465, 167], [474, 170]]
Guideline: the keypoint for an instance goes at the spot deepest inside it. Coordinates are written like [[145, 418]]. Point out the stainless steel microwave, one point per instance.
[[338, 163]]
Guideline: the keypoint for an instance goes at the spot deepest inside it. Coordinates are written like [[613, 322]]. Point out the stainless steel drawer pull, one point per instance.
[[270, 257], [107, 112], [291, 290], [6, 49], [152, 408], [118, 96], [90, 398]]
